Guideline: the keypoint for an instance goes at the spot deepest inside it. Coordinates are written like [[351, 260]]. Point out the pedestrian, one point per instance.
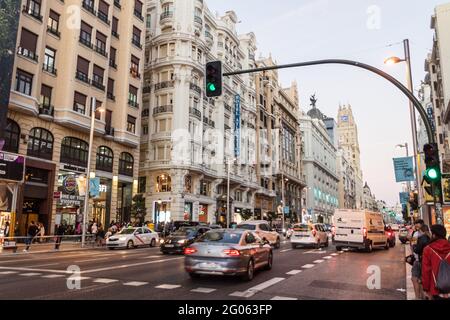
[[435, 261], [415, 274], [416, 270], [31, 233], [100, 235], [60, 230]]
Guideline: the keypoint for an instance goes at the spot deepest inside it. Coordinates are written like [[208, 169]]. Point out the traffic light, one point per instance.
[[214, 79], [433, 171]]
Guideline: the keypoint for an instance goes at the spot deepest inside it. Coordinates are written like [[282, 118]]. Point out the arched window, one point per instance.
[[12, 136], [126, 164], [105, 159], [74, 151], [163, 183], [40, 144]]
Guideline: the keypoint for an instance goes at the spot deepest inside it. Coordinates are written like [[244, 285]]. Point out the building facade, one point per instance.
[[348, 142], [347, 182], [188, 141], [370, 202], [320, 165], [68, 53]]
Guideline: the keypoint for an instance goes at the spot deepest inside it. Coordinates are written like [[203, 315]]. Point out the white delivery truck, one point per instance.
[[359, 229]]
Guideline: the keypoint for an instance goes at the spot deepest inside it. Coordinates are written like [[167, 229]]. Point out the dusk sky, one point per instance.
[[367, 31]]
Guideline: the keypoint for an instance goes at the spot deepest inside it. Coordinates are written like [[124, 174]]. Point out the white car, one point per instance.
[[133, 237], [309, 235]]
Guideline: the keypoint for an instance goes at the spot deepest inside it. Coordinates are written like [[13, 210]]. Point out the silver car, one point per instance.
[[228, 252]]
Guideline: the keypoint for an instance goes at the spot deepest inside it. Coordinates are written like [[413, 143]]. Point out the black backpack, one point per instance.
[[443, 277]]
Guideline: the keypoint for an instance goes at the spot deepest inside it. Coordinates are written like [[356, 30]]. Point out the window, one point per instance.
[[115, 27], [205, 187], [82, 69], [53, 23], [40, 144], [188, 184], [46, 97], [12, 135], [149, 21], [126, 164], [110, 89], [28, 43], [100, 44], [24, 82], [33, 8], [103, 9], [112, 57], [133, 97], [136, 39], [86, 34], [97, 77], [105, 159], [134, 70], [74, 151], [131, 124], [79, 103], [163, 183], [49, 60], [142, 184], [138, 10], [145, 129]]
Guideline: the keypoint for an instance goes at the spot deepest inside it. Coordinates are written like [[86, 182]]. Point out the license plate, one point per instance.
[[206, 265], [169, 246]]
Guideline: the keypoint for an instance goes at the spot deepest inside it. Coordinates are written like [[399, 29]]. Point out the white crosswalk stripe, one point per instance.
[[8, 272], [31, 274], [168, 286], [318, 261], [53, 276], [203, 290], [334, 254], [283, 298], [328, 257], [135, 284], [253, 290], [308, 266], [293, 272], [105, 281]]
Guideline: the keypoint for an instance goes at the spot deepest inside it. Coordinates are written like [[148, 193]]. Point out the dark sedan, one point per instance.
[[231, 252], [182, 238]]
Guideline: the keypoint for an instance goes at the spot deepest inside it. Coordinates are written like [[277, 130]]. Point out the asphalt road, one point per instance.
[[147, 274]]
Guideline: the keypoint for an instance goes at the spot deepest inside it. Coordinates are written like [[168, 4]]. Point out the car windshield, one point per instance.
[[247, 226], [184, 232], [302, 227], [127, 231], [221, 237]]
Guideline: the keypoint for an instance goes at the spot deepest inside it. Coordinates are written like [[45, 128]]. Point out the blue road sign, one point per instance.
[[94, 187], [404, 169], [237, 125], [404, 197]]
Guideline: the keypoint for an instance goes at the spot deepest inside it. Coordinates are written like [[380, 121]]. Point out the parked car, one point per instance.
[[182, 238], [309, 235], [403, 235], [178, 224], [234, 252], [263, 230], [390, 234], [133, 237], [359, 229]]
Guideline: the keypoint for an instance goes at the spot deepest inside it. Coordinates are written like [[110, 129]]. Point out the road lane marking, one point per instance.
[[168, 286], [285, 250], [159, 256], [90, 260], [135, 284], [130, 265], [53, 276], [283, 298], [318, 261], [106, 281], [33, 269], [308, 266], [260, 287], [8, 272], [203, 290], [31, 274], [19, 260], [334, 254], [328, 257], [293, 272], [315, 252]]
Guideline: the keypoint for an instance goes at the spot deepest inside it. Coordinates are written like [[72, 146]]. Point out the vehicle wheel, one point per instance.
[[277, 244], [317, 245], [294, 246], [338, 248], [111, 248], [250, 271], [194, 275], [369, 247], [130, 244], [153, 243], [269, 262]]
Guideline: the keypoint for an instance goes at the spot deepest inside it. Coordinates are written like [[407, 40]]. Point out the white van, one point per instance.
[[359, 229]]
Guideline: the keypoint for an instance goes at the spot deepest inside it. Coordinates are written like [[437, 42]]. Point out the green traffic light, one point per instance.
[[211, 87], [432, 174]]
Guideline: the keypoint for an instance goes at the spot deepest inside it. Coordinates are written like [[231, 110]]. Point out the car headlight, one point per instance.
[[122, 238], [181, 241]]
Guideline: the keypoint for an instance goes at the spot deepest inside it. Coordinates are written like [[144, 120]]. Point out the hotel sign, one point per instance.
[[237, 125]]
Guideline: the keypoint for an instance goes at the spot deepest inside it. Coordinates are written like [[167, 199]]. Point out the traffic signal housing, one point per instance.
[[432, 162], [214, 79]]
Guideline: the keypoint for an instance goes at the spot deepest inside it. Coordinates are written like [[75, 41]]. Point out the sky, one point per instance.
[[367, 31]]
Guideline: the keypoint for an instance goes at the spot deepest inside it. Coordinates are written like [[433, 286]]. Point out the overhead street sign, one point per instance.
[[404, 169], [12, 167]]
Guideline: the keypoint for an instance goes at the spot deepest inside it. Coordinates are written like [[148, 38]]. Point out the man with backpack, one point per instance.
[[436, 265]]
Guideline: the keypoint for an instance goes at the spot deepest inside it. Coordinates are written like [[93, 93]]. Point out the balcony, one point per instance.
[[117, 4], [86, 42], [27, 54], [89, 8], [53, 31], [98, 84], [137, 43], [166, 15], [82, 77], [135, 73], [49, 68], [145, 113], [115, 34], [195, 88], [138, 14], [164, 85], [31, 11], [162, 109], [133, 103], [111, 96], [109, 131], [101, 51], [228, 107], [198, 19], [103, 17], [209, 37], [147, 89], [46, 111], [196, 113], [112, 64]]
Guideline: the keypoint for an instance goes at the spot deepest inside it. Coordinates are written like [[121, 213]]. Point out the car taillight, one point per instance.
[[232, 252], [189, 250], [365, 232], [389, 234]]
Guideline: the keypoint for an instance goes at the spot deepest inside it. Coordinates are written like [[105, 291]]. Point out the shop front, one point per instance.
[[124, 201], [188, 211], [203, 213], [101, 208], [162, 211]]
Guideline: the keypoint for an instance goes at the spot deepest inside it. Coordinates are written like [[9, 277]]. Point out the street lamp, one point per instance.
[[88, 171], [407, 59]]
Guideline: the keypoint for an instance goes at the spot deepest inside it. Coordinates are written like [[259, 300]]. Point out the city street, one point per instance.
[[146, 274]]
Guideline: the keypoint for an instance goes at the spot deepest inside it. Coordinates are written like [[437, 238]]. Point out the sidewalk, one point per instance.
[[47, 248], [410, 295]]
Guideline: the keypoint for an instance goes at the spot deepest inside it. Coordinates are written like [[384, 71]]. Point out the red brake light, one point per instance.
[[389, 234], [232, 252], [365, 232], [189, 250]]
